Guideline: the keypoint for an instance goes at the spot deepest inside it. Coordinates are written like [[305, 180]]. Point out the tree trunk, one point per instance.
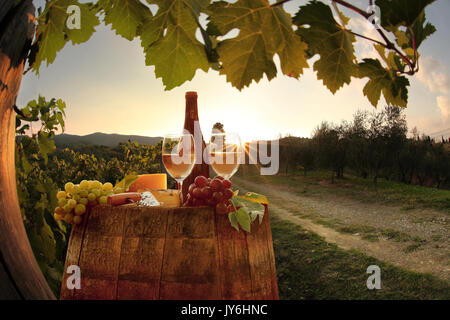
[[20, 276], [375, 181], [421, 179], [438, 182]]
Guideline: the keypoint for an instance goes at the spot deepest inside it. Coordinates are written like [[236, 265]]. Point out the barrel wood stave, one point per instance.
[[170, 253]]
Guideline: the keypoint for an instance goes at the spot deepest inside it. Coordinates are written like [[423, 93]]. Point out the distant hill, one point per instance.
[[102, 139]]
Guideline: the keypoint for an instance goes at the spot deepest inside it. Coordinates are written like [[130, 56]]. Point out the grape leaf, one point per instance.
[[324, 36], [27, 167], [170, 44], [400, 12], [421, 30], [53, 33], [394, 87], [391, 59], [243, 218], [233, 220], [51, 39], [253, 208], [126, 182], [89, 21], [42, 237], [46, 145], [125, 16], [263, 32]]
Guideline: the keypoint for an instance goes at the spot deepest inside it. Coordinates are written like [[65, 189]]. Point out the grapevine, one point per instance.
[[168, 38], [42, 172]]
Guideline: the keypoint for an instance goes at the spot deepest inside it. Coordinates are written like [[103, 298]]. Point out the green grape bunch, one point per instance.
[[75, 199]]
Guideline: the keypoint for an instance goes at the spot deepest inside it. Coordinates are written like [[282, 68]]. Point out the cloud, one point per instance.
[[433, 74], [443, 103]]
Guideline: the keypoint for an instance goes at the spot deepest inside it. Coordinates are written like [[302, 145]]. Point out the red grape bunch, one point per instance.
[[214, 193]]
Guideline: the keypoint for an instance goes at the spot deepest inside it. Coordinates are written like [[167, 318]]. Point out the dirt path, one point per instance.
[[431, 256]]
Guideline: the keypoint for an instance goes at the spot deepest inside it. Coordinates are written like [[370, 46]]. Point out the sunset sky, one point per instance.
[[108, 88]]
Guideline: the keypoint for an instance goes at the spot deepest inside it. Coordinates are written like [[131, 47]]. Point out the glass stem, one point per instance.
[[180, 184]]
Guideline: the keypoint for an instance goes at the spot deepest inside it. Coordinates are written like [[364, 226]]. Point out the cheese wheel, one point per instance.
[[167, 198], [149, 182]]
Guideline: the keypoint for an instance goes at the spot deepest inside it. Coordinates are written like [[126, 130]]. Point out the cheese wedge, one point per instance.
[[167, 198], [149, 182]]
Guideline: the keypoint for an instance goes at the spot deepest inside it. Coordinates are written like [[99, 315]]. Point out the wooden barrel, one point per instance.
[[170, 253]]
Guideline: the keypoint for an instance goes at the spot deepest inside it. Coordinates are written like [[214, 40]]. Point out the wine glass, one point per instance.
[[224, 152], [178, 156]]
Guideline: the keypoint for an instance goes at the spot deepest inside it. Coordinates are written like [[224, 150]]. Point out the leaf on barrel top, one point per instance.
[[126, 181], [243, 217], [255, 197], [253, 208], [325, 37], [233, 220], [263, 32]]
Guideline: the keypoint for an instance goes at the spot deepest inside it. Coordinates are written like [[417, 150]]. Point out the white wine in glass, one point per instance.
[[224, 153], [178, 156]]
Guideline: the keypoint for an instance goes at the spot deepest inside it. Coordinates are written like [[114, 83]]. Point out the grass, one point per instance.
[[368, 232], [396, 235], [310, 268], [318, 183], [412, 247]]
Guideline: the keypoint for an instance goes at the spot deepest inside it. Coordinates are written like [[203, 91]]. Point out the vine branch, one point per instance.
[[388, 44], [279, 3], [19, 112], [364, 37], [353, 8]]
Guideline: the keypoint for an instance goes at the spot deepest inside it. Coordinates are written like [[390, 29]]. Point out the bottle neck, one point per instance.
[[191, 114]]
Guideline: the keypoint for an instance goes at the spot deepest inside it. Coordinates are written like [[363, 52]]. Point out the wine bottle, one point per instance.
[[192, 124]]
